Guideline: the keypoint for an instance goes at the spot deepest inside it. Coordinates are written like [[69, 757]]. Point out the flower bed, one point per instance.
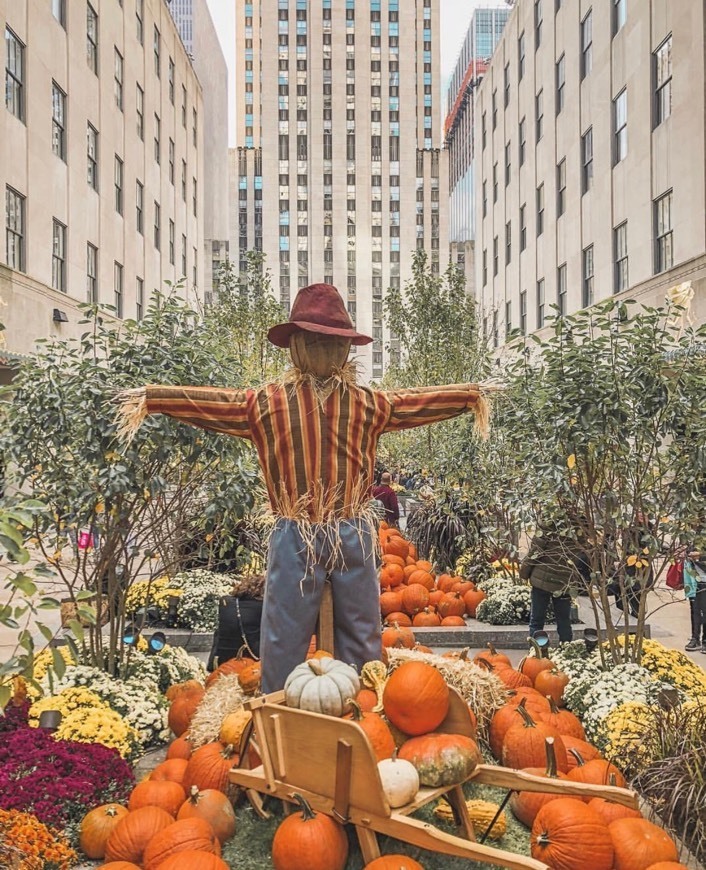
[[27, 844]]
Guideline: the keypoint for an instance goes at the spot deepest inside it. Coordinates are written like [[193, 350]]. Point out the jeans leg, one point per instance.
[[562, 611], [293, 593], [356, 596], [538, 609], [695, 623]]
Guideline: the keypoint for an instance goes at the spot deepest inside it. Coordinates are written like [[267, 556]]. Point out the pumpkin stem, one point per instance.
[[356, 710], [228, 751], [307, 813], [577, 755], [553, 704], [539, 652], [315, 666], [194, 794], [612, 780], [492, 649], [111, 811], [528, 720], [551, 757], [485, 664]]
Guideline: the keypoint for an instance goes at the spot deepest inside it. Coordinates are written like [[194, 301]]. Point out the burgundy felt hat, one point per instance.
[[317, 308]]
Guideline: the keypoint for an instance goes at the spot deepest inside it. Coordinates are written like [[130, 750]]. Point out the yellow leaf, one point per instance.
[[571, 461], [631, 560], [646, 551], [209, 537]]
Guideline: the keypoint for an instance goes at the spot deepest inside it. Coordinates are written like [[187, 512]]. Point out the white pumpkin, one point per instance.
[[400, 780], [322, 686]]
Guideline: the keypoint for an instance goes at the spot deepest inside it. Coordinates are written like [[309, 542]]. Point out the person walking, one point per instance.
[[554, 567], [385, 494], [695, 592], [239, 618]]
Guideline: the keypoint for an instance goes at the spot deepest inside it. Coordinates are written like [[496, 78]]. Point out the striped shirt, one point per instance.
[[317, 456]]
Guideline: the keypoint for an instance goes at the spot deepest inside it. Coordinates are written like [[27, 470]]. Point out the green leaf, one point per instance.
[[88, 614], [84, 595], [77, 629], [59, 665], [24, 583], [48, 603], [5, 695]]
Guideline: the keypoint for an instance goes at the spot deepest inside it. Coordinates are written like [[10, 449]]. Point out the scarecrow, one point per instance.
[[315, 432]]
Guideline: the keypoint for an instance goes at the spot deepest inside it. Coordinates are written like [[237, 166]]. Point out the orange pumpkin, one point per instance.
[[533, 700], [180, 747], [524, 744], [119, 865], [511, 678], [209, 767], [444, 582], [415, 597], [191, 860], [394, 862], [366, 699], [426, 617], [578, 750], [503, 719], [397, 618], [492, 656], [232, 666], [397, 546], [391, 559], [453, 620], [166, 795], [133, 832], [596, 772], [567, 835], [564, 721], [423, 565], [435, 597], [531, 666], [460, 586], [416, 698], [190, 687], [182, 710], [420, 647], [213, 807], [610, 811], [390, 601], [638, 844], [194, 835], [472, 599], [171, 770], [441, 759], [409, 570], [376, 730], [392, 575], [97, 826], [398, 636], [452, 604], [552, 683], [249, 678], [667, 865], [526, 804], [424, 579], [311, 840]]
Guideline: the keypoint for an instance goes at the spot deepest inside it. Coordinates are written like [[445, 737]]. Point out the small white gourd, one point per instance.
[[322, 686], [400, 780]]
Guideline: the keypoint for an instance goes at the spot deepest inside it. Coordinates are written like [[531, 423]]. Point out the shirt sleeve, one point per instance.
[[421, 405], [218, 410]]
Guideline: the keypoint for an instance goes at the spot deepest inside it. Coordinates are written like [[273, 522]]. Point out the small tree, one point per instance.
[[433, 326], [606, 420], [116, 513]]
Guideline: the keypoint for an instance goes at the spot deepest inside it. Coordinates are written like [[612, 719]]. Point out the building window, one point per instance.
[[140, 207], [139, 20], [496, 256], [496, 338], [140, 109], [523, 312], [540, 209], [664, 254], [58, 10], [14, 229], [483, 133], [157, 48], [561, 289], [538, 21], [118, 78], [170, 79], [196, 269], [620, 256], [157, 226], [506, 89], [523, 140], [494, 106], [539, 114], [171, 161], [91, 273], [540, 303], [587, 290], [508, 319], [183, 256], [521, 56], [58, 256], [92, 155], [508, 242], [560, 83], [14, 75], [118, 185], [183, 180], [662, 66], [58, 121], [157, 138], [485, 198], [523, 227], [485, 266], [620, 14], [620, 126], [118, 288], [195, 197], [495, 182], [194, 126], [587, 160], [587, 44], [171, 241], [139, 299], [92, 38], [561, 188], [508, 166]]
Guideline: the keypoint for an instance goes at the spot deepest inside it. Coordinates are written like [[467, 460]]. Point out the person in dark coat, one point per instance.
[[388, 497], [239, 617], [554, 566]]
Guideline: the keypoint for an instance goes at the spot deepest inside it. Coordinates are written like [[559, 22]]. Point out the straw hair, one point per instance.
[[131, 413]]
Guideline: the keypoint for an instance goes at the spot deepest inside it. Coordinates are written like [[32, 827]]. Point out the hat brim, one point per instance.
[[280, 334]]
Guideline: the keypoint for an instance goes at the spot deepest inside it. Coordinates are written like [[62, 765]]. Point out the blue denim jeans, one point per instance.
[[295, 584], [562, 610]]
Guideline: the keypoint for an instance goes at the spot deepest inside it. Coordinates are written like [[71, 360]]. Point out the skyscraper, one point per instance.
[[201, 42], [482, 37], [339, 166]]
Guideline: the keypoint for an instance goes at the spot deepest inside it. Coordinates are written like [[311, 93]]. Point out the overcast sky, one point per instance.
[[455, 16]]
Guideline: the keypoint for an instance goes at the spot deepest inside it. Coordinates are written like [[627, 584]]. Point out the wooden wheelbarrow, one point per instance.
[[331, 764]]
